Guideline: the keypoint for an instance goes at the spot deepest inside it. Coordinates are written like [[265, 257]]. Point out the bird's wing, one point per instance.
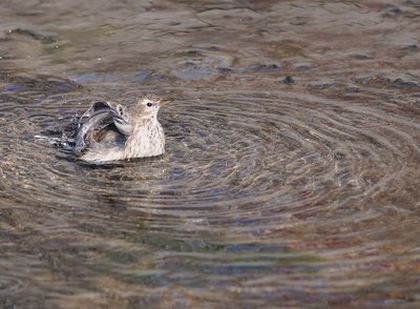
[[122, 120], [97, 120]]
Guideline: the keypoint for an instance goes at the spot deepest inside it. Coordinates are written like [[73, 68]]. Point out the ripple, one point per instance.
[[10, 285], [251, 153], [244, 176]]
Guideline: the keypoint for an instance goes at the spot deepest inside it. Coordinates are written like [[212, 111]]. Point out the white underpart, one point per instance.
[[147, 140]]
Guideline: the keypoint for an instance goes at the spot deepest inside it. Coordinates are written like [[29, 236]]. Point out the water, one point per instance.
[[291, 176]]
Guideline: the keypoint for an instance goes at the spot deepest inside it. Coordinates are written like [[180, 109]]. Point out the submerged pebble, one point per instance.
[[288, 80]]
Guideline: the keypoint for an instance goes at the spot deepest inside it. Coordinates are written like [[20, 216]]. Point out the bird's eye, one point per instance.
[[149, 104]]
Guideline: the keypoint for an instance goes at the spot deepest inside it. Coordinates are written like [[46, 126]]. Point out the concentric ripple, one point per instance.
[[254, 186]]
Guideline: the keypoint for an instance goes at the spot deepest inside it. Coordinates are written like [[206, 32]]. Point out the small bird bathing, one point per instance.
[[110, 132]]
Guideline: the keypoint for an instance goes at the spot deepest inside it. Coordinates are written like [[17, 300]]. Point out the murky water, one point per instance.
[[292, 169]]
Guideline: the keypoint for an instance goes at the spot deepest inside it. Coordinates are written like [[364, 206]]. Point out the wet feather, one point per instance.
[[109, 132]]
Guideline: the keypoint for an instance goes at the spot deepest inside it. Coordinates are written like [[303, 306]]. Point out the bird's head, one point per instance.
[[148, 107]]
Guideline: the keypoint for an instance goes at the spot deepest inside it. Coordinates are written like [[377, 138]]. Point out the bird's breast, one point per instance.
[[145, 141]]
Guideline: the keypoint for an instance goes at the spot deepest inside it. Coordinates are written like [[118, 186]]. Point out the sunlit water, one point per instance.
[[291, 176]]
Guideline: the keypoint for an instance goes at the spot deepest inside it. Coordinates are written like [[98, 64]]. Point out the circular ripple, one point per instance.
[[238, 160], [252, 185], [10, 285]]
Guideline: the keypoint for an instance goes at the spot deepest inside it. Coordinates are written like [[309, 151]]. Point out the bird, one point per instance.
[[110, 132]]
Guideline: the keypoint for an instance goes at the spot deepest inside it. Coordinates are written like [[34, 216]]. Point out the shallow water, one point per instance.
[[292, 169]]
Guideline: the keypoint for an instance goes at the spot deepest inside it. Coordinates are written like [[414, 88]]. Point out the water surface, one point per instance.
[[292, 169]]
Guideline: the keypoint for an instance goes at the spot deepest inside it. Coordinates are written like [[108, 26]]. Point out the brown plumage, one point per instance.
[[108, 132]]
